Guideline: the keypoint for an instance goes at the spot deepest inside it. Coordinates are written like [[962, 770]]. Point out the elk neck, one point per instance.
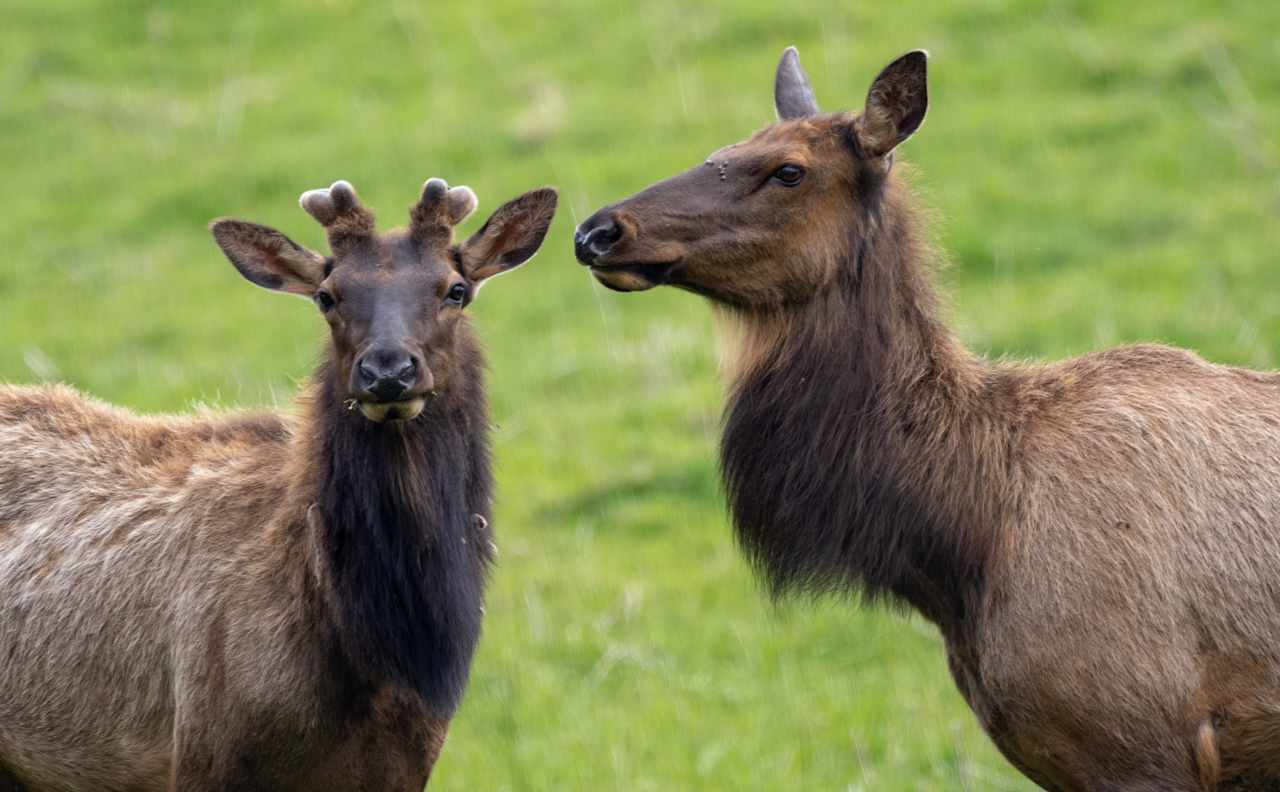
[[863, 450], [397, 561]]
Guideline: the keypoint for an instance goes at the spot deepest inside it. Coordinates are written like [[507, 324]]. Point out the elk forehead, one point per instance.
[[804, 134], [398, 254], [802, 142]]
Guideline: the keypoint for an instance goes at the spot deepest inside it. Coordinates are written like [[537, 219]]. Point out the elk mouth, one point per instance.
[[394, 411], [629, 277]]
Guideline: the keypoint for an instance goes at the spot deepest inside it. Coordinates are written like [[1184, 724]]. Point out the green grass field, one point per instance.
[[1101, 173]]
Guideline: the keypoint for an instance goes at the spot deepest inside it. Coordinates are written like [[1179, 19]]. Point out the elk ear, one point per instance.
[[896, 104], [792, 93], [269, 258], [510, 236]]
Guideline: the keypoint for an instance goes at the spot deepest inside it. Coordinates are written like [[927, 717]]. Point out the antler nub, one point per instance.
[[339, 211], [433, 190], [462, 201], [325, 205], [319, 205], [440, 207]]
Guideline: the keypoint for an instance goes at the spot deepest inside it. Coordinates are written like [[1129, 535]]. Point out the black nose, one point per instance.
[[385, 374], [596, 237]]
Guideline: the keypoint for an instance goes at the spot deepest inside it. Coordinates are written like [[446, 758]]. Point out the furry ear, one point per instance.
[[896, 105], [792, 93], [511, 235], [269, 258]]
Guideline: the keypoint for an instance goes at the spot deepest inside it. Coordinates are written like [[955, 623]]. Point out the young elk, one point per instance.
[[265, 602], [1097, 540]]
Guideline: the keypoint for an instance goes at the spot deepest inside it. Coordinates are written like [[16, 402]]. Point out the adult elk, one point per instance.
[[268, 601], [1098, 540]]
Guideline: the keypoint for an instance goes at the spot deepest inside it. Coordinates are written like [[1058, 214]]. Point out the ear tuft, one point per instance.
[[896, 104]]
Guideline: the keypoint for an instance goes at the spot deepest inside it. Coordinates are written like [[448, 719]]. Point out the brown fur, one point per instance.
[[263, 601], [1098, 540]]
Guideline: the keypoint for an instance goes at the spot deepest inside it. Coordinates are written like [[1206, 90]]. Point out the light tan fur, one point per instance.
[[745, 343], [132, 565]]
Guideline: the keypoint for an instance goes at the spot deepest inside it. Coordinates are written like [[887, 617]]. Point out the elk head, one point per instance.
[[767, 221], [393, 301]]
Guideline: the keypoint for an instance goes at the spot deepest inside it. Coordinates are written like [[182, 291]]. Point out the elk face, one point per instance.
[[764, 222], [393, 301]]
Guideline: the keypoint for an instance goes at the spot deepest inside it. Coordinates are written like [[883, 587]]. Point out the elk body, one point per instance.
[[1097, 540], [267, 601]]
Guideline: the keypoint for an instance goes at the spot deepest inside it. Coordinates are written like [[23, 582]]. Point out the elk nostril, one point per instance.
[[601, 239], [580, 249], [596, 237], [408, 372]]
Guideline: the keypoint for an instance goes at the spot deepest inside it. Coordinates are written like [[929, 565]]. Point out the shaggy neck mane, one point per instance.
[[389, 518], [857, 451]]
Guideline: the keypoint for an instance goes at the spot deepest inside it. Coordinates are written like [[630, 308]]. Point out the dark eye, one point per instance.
[[790, 175], [457, 293], [324, 300]]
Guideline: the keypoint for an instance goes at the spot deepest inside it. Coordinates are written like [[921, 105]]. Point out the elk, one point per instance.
[[265, 601], [1097, 540]]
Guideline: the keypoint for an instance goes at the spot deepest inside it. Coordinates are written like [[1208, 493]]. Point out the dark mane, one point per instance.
[[398, 534], [854, 450]]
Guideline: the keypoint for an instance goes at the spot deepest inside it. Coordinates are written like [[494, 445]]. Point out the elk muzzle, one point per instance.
[[389, 384], [596, 237], [608, 242]]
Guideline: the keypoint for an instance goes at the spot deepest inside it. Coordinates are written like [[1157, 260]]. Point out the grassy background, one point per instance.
[[1102, 173]]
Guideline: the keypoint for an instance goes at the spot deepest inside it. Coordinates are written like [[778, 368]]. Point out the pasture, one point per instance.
[[1098, 175]]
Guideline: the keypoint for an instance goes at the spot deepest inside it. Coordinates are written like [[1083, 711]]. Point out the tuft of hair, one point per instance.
[[1208, 760]]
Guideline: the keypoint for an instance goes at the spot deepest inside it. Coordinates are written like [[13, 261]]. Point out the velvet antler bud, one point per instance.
[[340, 212], [440, 208]]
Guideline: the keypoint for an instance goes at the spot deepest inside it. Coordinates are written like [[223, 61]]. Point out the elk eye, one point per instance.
[[457, 293], [324, 301], [790, 175]]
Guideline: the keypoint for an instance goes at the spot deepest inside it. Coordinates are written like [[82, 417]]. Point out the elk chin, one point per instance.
[[380, 412], [632, 277], [623, 281]]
